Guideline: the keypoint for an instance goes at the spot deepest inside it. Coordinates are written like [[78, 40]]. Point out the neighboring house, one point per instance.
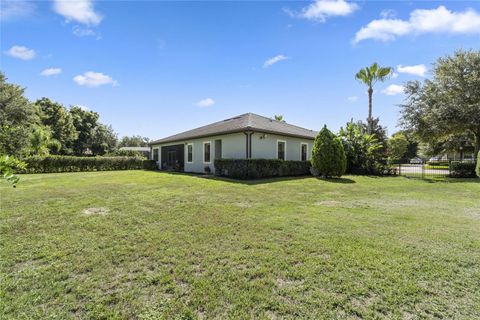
[[247, 136], [143, 150]]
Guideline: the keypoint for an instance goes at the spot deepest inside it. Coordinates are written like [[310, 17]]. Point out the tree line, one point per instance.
[[46, 127]]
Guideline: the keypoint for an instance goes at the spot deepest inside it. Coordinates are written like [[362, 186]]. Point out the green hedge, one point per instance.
[[260, 168], [462, 169], [50, 164], [439, 163]]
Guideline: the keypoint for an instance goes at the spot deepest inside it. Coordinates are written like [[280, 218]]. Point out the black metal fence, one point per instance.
[[418, 168]]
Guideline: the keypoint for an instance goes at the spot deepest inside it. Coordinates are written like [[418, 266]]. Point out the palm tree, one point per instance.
[[369, 76], [279, 117]]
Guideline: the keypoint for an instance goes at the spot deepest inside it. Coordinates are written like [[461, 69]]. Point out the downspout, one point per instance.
[[248, 144]]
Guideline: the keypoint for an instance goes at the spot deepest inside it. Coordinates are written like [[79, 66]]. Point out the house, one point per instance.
[[247, 136], [143, 150]]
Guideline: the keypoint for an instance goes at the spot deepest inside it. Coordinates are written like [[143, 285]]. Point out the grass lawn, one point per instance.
[[173, 245]]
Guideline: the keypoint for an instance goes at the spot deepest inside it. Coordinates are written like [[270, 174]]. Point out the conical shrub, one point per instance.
[[328, 155]]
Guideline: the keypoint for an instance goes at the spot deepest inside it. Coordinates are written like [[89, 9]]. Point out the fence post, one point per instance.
[[423, 171], [399, 168]]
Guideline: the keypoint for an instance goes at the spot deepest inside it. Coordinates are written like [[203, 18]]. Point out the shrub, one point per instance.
[[328, 155], [478, 164], [462, 169], [439, 163], [260, 168], [150, 165], [365, 153], [50, 164], [125, 153]]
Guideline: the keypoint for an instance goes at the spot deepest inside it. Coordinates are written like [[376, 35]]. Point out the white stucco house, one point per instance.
[[247, 136]]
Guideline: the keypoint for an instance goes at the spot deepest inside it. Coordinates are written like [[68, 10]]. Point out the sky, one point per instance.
[[156, 68]]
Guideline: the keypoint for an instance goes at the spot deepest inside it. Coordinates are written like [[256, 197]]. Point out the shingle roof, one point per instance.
[[244, 122]]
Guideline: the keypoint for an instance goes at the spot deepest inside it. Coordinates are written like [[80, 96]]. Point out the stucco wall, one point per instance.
[[233, 147], [264, 146]]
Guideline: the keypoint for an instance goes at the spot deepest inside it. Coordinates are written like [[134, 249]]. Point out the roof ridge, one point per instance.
[[282, 122]]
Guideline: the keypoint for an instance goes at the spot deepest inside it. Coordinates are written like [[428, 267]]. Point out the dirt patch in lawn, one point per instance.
[[101, 211]]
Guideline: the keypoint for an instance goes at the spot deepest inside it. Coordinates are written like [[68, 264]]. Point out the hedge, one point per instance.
[[260, 168], [50, 164], [462, 169]]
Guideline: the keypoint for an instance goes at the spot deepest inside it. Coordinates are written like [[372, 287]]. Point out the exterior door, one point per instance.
[[173, 157]]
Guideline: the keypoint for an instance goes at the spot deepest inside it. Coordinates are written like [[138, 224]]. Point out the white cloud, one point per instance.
[[417, 70], [393, 89], [394, 75], [15, 9], [207, 102], [320, 10], [85, 32], [81, 11], [51, 72], [439, 20], [274, 60], [21, 52], [352, 98], [388, 13], [94, 79]]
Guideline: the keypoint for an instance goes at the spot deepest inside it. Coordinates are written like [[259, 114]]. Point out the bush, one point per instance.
[[462, 169], [478, 164], [50, 164], [439, 163], [126, 153], [260, 168], [328, 155], [150, 165]]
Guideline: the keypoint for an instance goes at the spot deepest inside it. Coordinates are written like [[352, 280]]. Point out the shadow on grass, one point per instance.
[[444, 179], [255, 181], [338, 180]]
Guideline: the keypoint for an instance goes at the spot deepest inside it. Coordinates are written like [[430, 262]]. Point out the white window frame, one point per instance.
[[301, 145], [186, 160], [203, 153], [285, 153]]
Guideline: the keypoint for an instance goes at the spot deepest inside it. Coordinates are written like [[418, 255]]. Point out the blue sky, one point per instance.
[[156, 68]]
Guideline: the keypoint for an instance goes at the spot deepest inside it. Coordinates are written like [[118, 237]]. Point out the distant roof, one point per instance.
[[135, 148], [244, 122]]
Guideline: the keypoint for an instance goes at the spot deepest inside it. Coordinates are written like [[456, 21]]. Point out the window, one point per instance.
[[281, 149], [190, 153], [206, 152], [304, 151], [155, 155]]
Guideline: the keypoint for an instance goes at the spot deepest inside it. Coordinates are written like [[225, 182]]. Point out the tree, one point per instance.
[[17, 119], [279, 117], [447, 104], [328, 156], [134, 141], [478, 165], [85, 122], [103, 140], [363, 151], [397, 146], [41, 142], [7, 166], [60, 121], [370, 76]]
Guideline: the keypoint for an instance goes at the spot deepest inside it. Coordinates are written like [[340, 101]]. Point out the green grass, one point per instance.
[[175, 245]]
